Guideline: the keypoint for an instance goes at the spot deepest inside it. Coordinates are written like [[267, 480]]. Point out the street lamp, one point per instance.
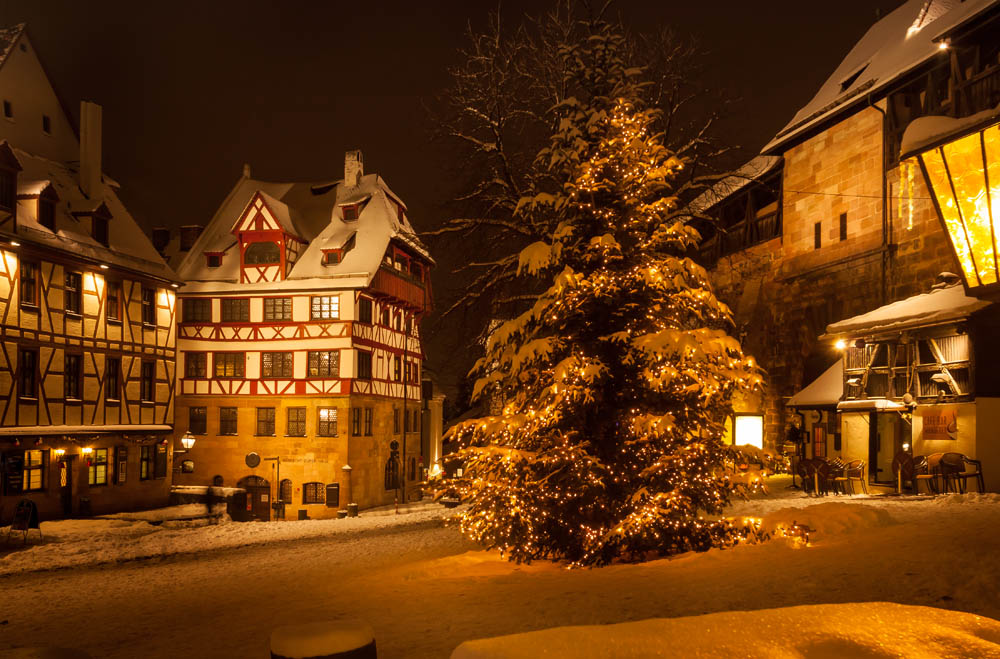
[[187, 441], [963, 174]]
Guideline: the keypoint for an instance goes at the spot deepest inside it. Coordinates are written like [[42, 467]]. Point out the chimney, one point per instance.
[[354, 168], [161, 237], [189, 236], [90, 151], [246, 170]]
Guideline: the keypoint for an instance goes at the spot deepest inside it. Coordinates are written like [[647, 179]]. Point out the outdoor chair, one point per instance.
[[821, 475], [913, 470], [804, 471], [852, 471], [960, 468], [937, 479]]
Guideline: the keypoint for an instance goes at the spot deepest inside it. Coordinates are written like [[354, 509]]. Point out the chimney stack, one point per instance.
[[189, 236], [161, 238], [90, 151], [354, 168]]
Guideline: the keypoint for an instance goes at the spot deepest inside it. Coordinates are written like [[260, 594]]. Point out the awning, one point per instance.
[[824, 391], [870, 404]]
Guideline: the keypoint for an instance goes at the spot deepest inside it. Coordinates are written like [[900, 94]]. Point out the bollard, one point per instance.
[[352, 510], [324, 640]]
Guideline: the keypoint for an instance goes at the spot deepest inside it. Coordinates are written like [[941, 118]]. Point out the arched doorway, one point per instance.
[[258, 498]]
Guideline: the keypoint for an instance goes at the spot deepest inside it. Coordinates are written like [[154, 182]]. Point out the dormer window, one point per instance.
[[8, 110], [47, 208], [263, 253], [213, 259], [332, 256], [46, 124], [352, 212]]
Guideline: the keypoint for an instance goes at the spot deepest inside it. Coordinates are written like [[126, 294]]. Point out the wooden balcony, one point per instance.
[[403, 288]]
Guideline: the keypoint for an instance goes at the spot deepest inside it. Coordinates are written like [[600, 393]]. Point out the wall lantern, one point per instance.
[[963, 174], [187, 441]]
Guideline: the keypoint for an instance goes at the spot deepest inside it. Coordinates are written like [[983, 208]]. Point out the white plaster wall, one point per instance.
[[24, 84]]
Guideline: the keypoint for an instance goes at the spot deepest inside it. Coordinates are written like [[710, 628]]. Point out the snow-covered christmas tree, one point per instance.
[[615, 384]]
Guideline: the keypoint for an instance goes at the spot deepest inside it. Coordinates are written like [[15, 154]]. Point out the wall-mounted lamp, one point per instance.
[[59, 452], [187, 441], [840, 344], [86, 450], [104, 266], [14, 243]]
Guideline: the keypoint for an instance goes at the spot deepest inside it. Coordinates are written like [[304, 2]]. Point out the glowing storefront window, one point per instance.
[[749, 430]]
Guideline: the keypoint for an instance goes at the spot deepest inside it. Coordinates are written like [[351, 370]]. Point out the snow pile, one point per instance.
[[870, 629], [829, 519], [320, 639], [967, 498], [81, 542]]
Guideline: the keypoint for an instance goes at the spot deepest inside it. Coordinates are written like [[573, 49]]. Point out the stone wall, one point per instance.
[[786, 291]]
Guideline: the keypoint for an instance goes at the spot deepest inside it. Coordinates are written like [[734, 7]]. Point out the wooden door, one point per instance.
[[258, 498]]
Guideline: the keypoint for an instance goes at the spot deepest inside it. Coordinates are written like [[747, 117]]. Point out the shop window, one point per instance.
[[121, 464], [35, 463], [313, 493], [748, 430], [97, 467], [160, 460], [145, 463]]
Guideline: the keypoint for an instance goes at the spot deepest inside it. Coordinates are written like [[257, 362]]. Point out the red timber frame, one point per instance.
[[252, 228]]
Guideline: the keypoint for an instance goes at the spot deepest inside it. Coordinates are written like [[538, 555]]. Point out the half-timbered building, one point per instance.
[[299, 342], [87, 350]]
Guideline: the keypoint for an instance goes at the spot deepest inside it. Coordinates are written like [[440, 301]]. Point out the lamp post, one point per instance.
[[963, 174]]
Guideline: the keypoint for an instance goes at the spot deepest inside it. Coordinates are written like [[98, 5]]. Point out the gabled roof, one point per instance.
[[894, 46], [128, 245], [942, 305], [314, 210], [8, 37]]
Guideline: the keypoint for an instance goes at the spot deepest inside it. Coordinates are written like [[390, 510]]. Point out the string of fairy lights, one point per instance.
[[614, 384]]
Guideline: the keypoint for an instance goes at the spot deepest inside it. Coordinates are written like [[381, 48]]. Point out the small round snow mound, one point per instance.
[[832, 518], [877, 630], [320, 639]]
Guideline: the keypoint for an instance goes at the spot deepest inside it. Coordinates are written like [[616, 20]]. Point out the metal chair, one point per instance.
[[956, 467], [853, 471]]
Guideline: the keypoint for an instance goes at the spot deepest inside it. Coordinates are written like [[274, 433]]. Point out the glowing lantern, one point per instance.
[[964, 177]]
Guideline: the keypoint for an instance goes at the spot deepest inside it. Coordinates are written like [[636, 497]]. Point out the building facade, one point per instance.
[[299, 343], [830, 223], [87, 314]]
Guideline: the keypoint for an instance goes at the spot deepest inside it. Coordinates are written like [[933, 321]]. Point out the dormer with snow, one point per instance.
[[268, 244]]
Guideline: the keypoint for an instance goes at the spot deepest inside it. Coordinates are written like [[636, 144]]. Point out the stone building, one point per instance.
[[299, 343], [86, 314], [829, 223]]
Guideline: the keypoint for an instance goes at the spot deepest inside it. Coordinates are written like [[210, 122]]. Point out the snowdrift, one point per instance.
[[872, 629]]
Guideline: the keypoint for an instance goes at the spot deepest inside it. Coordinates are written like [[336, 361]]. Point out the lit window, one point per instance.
[[276, 364], [72, 296], [324, 363], [229, 364], [97, 469], [313, 493], [327, 422], [325, 307], [34, 470], [749, 430]]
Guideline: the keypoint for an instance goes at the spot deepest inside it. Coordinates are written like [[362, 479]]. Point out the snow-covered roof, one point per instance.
[[128, 248], [751, 171], [868, 404], [894, 46], [314, 212], [8, 36], [931, 130], [824, 391], [83, 430], [941, 305]]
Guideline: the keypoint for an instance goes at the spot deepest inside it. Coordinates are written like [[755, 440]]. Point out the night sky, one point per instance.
[[192, 90]]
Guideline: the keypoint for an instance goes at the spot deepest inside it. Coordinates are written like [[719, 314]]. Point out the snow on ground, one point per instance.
[[177, 530], [871, 629], [424, 589]]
